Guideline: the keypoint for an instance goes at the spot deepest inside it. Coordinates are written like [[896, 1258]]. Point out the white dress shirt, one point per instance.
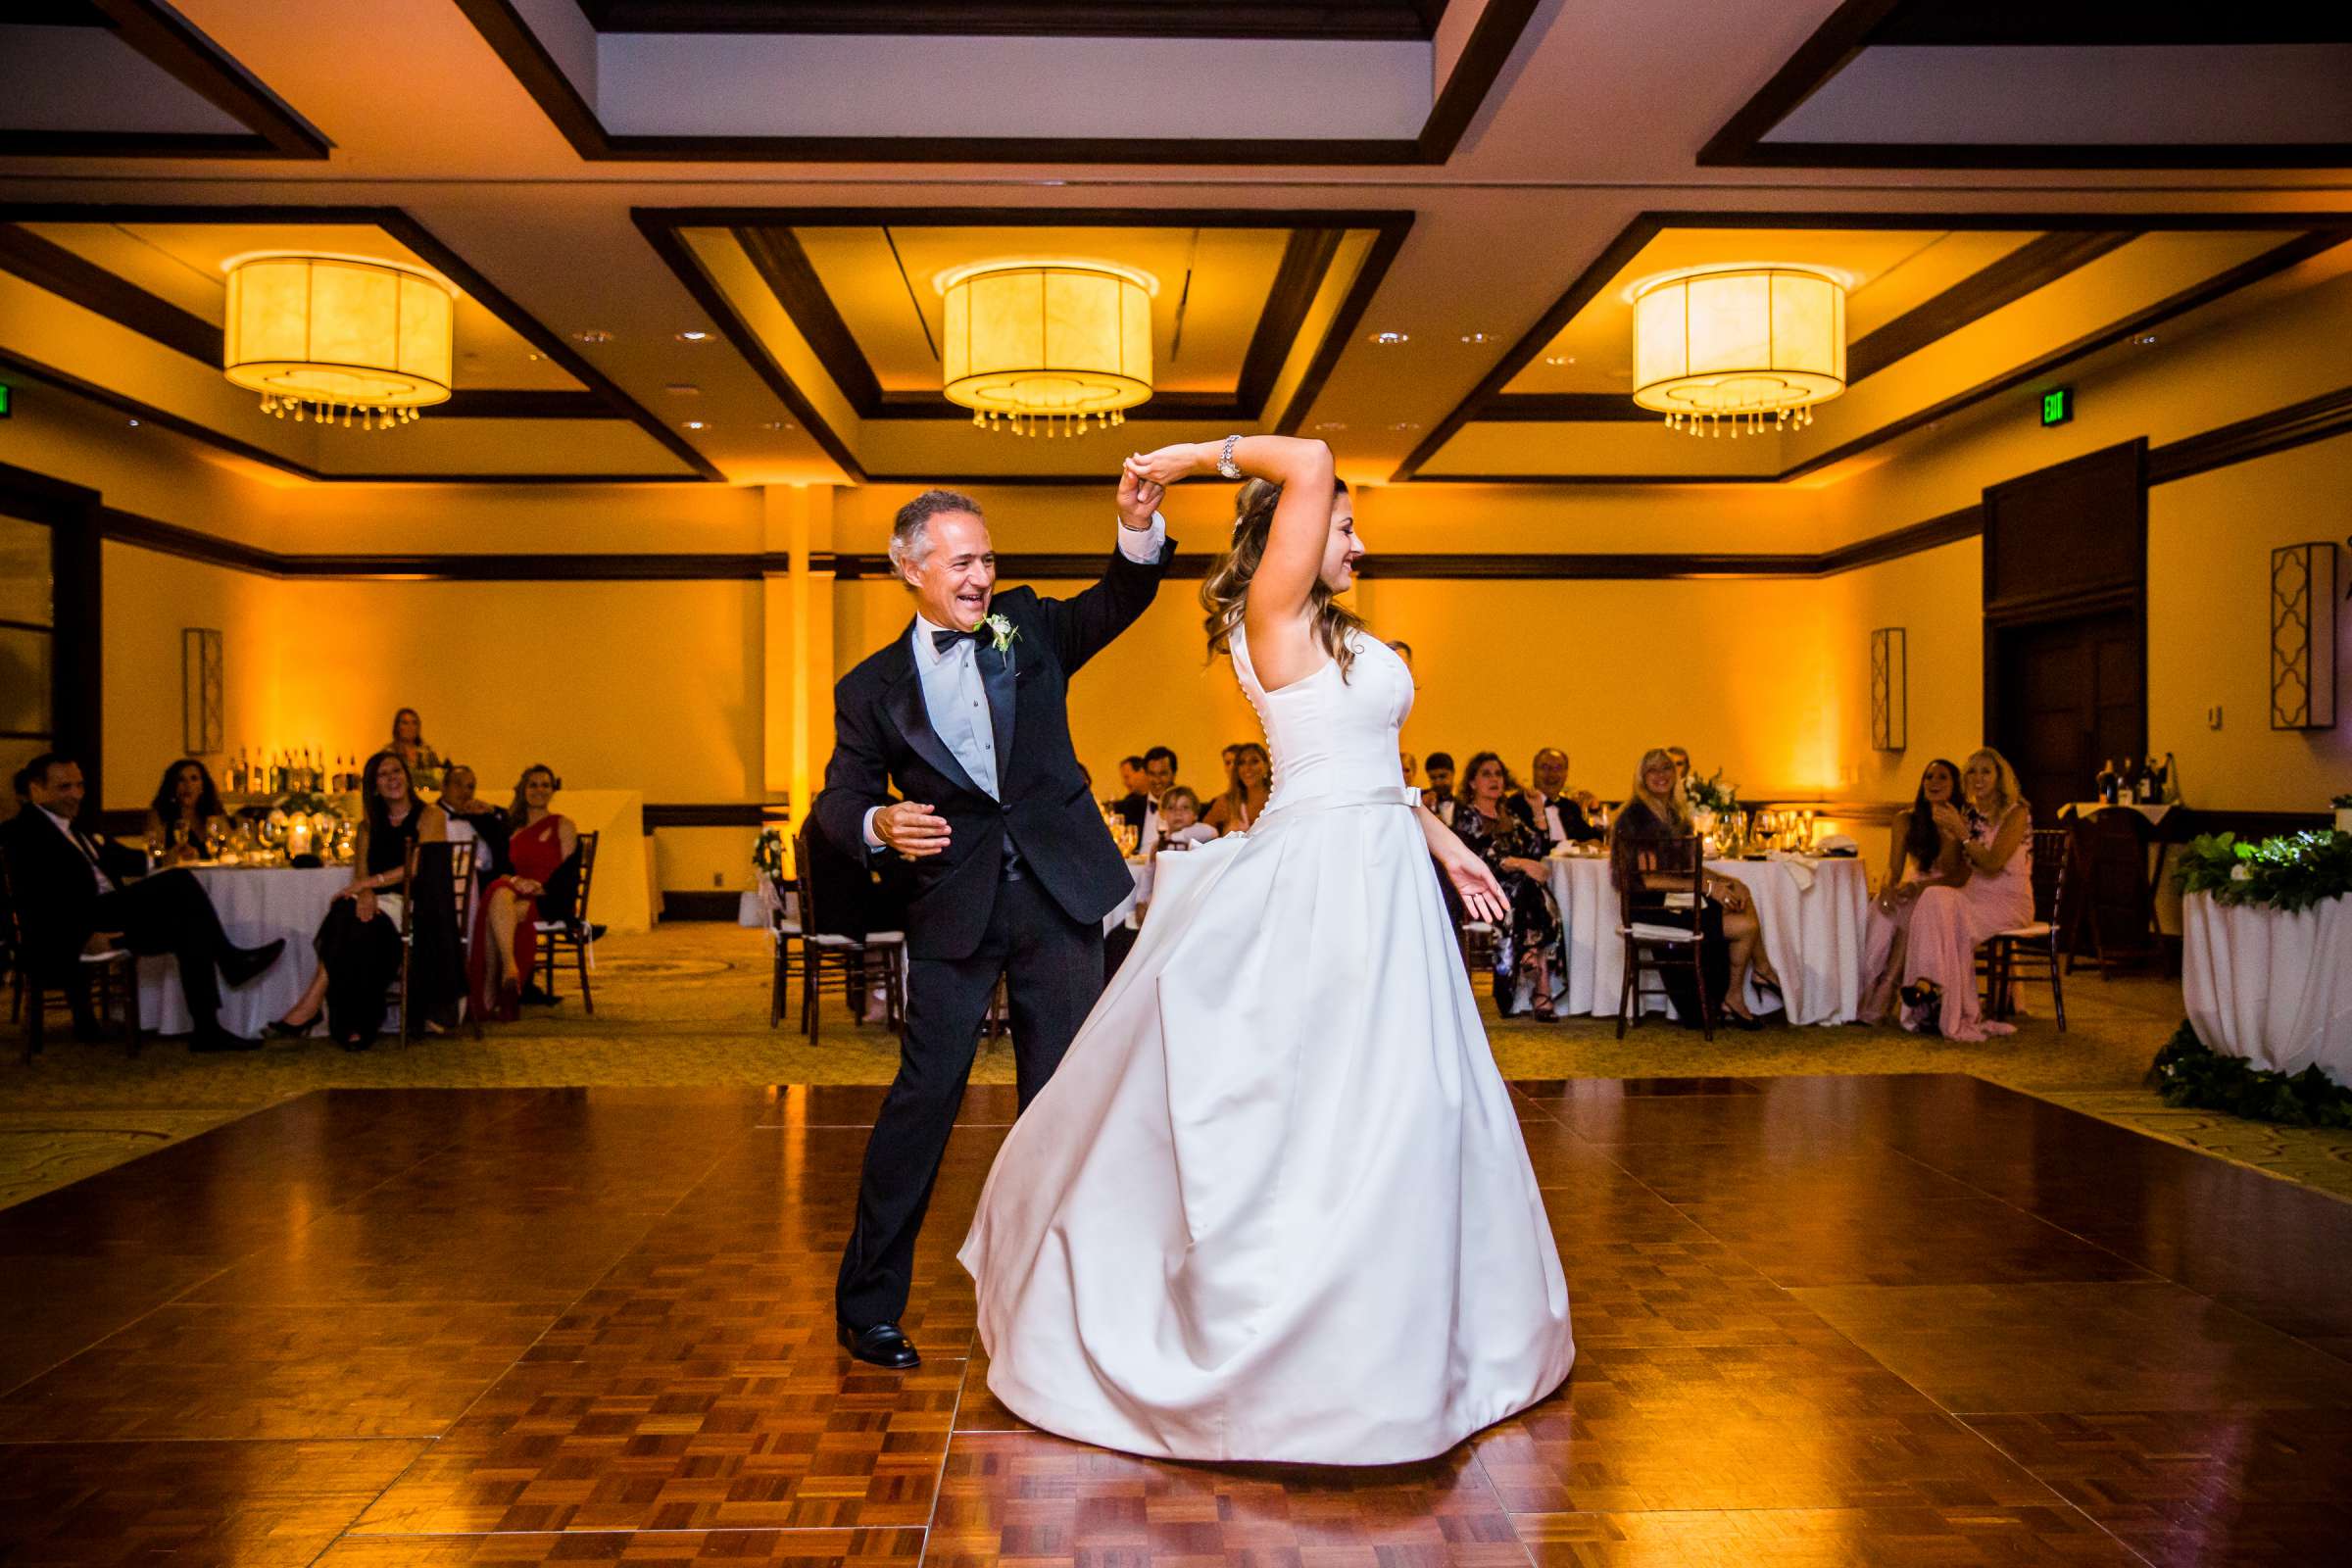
[[954, 697]]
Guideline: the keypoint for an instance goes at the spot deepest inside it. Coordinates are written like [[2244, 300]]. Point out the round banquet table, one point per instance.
[[1813, 913], [2269, 986], [255, 904]]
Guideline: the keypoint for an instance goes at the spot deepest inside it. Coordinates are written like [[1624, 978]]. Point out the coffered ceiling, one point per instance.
[[696, 240]]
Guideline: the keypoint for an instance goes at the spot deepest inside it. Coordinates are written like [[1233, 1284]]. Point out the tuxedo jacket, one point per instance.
[[883, 737], [1572, 815], [56, 898], [1132, 808]]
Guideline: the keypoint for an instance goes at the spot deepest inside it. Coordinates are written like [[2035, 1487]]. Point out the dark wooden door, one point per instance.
[[2073, 695]]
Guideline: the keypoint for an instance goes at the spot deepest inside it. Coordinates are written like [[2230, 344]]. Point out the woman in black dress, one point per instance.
[[187, 803], [358, 943], [1729, 937], [1514, 852]]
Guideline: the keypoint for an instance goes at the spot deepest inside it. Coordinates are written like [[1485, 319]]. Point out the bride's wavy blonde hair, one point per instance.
[[1228, 586]]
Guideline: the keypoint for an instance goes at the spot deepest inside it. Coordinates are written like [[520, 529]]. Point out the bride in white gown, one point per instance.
[[1274, 1205]]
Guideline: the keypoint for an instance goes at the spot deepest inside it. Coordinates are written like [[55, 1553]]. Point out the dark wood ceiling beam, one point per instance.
[[776, 254], [2036, 23], [1306, 257], [44, 263], [199, 65], [2033, 265], [1374, 19]]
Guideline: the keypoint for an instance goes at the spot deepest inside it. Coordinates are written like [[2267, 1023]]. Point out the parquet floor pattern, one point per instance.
[[1820, 1321]]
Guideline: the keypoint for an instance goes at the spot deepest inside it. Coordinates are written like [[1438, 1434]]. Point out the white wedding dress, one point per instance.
[[1274, 1205]]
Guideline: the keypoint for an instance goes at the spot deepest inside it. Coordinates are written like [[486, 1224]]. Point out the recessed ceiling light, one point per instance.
[[1559, 359], [594, 334], [1478, 337], [1404, 424], [696, 425], [2146, 340], [776, 424], [533, 357], [1332, 424], [134, 424], [683, 389], [693, 336], [1392, 337]]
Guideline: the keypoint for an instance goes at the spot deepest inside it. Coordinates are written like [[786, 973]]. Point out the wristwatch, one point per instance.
[[1225, 465]]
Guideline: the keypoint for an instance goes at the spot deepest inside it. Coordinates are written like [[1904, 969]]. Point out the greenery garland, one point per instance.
[[2189, 1072], [2292, 872]]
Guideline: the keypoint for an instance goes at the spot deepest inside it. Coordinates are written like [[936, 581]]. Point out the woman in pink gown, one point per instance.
[[1925, 856], [1939, 962]]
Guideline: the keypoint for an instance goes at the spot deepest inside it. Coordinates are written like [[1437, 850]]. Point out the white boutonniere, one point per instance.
[[1000, 632]]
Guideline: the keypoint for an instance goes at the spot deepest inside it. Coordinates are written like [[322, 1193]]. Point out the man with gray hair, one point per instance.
[[966, 713]]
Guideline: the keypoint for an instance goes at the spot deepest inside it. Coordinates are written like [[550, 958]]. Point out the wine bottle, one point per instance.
[[2172, 780], [2144, 786], [2106, 790]]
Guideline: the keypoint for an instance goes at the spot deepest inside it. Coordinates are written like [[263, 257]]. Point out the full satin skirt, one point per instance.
[[1275, 1204]]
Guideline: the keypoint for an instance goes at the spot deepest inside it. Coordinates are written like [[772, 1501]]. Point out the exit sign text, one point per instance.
[[2057, 405]]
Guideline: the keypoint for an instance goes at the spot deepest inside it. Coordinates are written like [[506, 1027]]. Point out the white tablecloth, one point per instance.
[[255, 904], [1813, 934], [2272, 986]]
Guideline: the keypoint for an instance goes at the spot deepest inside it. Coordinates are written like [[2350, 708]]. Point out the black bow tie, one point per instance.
[[942, 640]]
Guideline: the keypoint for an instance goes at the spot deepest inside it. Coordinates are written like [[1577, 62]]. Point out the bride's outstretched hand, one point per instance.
[[1482, 895]]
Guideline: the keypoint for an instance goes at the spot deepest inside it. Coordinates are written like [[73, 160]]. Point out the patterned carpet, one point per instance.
[[687, 1005]]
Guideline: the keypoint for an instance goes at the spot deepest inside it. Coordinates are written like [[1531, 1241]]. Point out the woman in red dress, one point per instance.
[[508, 939]]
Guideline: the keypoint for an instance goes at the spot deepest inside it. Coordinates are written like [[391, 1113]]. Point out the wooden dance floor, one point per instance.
[[1820, 1321]]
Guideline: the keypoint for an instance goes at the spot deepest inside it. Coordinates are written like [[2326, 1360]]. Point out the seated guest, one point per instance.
[[1515, 852], [473, 821], [358, 942], [1729, 937], [186, 804], [76, 895], [1159, 774], [1234, 810], [1546, 806], [1438, 796], [1927, 855], [1131, 799], [541, 844], [1409, 766], [1682, 774], [408, 739], [1180, 813], [1939, 961]]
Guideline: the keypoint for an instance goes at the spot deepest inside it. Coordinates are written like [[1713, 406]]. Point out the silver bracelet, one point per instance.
[[1225, 465]]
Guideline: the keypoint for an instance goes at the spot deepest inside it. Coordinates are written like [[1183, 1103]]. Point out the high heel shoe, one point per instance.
[[279, 1029]]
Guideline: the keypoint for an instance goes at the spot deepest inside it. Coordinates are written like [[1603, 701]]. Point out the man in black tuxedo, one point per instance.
[[76, 895], [1548, 806], [965, 712]]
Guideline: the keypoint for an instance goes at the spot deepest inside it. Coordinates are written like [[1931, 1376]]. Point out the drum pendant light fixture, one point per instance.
[[1045, 347], [319, 336], [1738, 346]]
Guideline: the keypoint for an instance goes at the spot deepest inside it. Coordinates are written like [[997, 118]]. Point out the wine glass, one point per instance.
[[216, 837]]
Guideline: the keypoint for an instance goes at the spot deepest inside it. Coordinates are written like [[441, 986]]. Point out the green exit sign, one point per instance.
[[7, 401], [2057, 406]]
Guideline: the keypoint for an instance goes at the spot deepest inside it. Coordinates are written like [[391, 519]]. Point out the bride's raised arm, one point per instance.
[[1286, 575]]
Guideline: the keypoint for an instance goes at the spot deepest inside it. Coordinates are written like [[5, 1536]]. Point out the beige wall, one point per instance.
[[2210, 540]]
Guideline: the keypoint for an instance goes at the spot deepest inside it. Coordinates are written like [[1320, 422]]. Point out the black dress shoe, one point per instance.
[[279, 1029], [883, 1345], [538, 998], [209, 1040], [240, 964]]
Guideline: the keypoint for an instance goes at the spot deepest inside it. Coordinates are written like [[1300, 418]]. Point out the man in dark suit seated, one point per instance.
[[76, 895], [1548, 806]]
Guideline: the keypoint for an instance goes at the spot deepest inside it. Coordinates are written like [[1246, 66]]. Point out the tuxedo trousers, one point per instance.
[[171, 913], [1052, 970]]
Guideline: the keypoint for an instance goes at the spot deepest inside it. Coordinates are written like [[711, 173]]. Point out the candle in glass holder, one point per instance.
[[298, 836]]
